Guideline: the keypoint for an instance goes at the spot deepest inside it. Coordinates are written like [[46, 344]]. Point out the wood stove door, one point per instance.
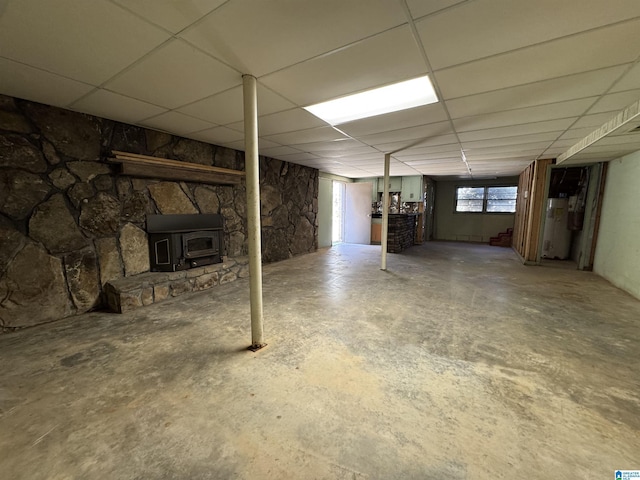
[[200, 244]]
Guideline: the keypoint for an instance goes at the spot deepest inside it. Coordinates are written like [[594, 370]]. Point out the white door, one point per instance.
[[357, 214]]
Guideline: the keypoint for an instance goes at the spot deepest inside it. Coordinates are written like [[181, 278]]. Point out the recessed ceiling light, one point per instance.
[[399, 96]]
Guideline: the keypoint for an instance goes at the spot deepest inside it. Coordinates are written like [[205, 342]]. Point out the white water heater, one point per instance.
[[556, 239]]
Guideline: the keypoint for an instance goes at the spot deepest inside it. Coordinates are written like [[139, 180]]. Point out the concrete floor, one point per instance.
[[457, 363]]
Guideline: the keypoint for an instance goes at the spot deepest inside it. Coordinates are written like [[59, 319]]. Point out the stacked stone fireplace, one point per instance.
[[70, 224]]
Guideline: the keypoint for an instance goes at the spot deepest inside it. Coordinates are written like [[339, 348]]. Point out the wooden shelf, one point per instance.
[[137, 165]]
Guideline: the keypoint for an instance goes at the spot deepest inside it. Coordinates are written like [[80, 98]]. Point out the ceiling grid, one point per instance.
[[517, 80]]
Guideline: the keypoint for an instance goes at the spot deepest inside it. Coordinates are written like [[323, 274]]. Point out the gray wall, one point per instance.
[[468, 227], [618, 249]]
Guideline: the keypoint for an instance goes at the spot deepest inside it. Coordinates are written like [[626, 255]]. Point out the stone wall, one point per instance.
[[69, 223]]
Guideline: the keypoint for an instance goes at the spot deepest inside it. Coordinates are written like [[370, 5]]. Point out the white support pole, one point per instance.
[[253, 207], [385, 210]]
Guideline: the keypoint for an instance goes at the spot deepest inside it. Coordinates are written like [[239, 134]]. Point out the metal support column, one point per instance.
[[253, 207], [385, 210]]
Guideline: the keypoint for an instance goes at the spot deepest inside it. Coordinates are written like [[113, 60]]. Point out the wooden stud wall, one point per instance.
[[529, 209]]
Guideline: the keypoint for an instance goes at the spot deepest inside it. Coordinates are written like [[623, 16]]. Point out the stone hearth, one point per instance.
[[126, 294]]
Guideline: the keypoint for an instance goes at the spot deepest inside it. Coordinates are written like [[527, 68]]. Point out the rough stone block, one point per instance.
[[176, 275], [109, 259], [180, 287], [227, 278], [81, 268], [87, 171], [17, 152], [28, 298], [130, 300], [244, 271], [14, 122], [161, 292], [170, 198], [216, 267], [101, 215], [73, 134], [147, 296], [61, 178], [53, 226], [207, 199], [21, 192], [205, 281], [135, 249], [79, 193], [195, 272]]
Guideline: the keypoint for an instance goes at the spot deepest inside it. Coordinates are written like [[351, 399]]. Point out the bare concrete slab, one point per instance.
[[458, 363]]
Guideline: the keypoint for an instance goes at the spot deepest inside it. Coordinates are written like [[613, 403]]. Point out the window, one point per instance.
[[470, 199], [486, 199], [501, 199]]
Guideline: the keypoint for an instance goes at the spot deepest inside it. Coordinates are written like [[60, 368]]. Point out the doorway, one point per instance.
[[351, 213]]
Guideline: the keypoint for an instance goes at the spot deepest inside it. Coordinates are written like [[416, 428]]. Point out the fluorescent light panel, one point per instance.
[[399, 96]]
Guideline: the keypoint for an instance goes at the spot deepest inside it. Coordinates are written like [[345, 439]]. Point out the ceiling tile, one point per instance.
[[513, 140], [174, 75], [227, 107], [257, 38], [67, 36], [555, 90], [22, 81], [371, 63], [616, 101], [526, 129], [116, 107], [404, 134], [430, 150], [176, 123], [576, 133], [431, 161], [337, 145], [483, 28], [298, 156], [276, 151], [319, 134], [171, 14], [522, 147], [594, 120], [217, 135], [396, 120], [563, 143], [406, 144], [629, 81], [289, 121], [239, 144], [572, 108], [605, 47], [420, 8]]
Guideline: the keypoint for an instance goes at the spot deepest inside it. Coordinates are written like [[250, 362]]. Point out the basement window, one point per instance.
[[499, 199]]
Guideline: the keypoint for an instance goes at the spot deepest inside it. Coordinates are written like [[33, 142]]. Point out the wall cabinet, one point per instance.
[[395, 184], [412, 189]]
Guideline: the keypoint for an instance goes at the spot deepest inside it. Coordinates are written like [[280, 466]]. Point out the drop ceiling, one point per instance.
[[517, 79]]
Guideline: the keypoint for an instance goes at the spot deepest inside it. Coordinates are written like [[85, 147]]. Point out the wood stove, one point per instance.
[[180, 242]]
